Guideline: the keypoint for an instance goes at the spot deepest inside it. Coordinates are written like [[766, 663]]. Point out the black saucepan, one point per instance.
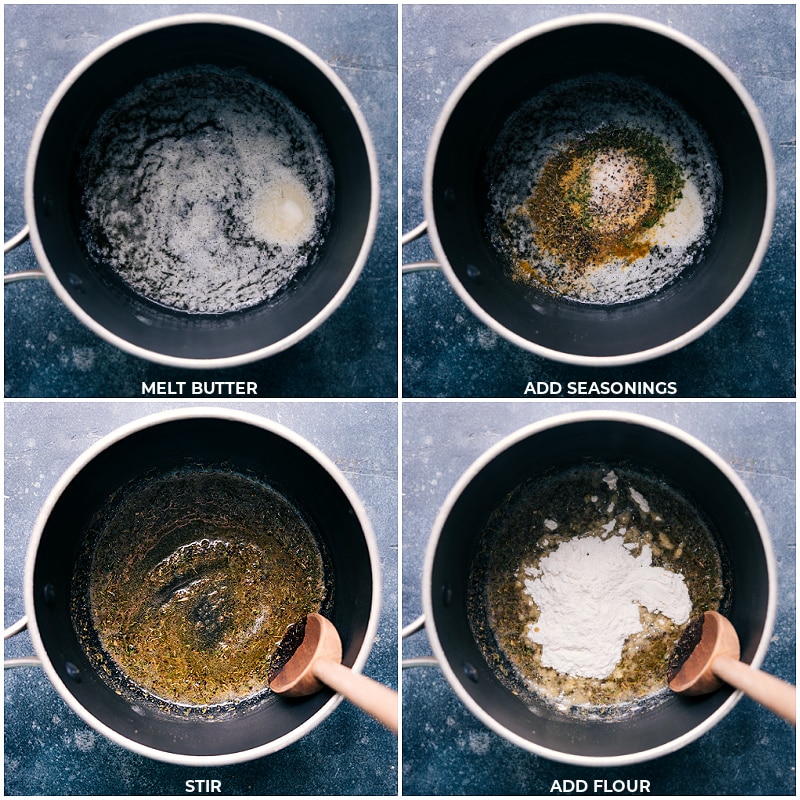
[[686, 466], [456, 190], [127, 319], [195, 439]]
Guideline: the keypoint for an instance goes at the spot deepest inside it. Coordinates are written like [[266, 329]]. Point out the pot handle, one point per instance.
[[409, 237], [11, 244], [12, 630], [421, 661], [16, 240]]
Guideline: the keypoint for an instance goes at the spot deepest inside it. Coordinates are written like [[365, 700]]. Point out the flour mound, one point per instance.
[[588, 592]]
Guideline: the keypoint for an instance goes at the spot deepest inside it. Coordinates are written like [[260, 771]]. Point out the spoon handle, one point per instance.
[[769, 691], [377, 700]]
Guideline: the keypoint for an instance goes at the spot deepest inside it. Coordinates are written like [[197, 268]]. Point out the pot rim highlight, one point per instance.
[[569, 22], [44, 121], [462, 484], [153, 420]]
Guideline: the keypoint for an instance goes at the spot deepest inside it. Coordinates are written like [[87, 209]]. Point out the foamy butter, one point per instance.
[[206, 191], [588, 592], [283, 213], [610, 192], [685, 223]]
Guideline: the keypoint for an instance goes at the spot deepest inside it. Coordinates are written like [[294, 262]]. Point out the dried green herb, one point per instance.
[[598, 196]]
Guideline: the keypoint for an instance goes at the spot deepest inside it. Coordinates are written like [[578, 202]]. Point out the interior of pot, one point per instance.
[[198, 443], [131, 317], [539, 726], [459, 189]]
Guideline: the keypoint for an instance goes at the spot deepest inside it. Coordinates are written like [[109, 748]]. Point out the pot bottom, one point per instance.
[[583, 583], [185, 585]]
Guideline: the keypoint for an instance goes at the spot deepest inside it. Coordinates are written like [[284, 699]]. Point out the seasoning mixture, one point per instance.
[[584, 582], [188, 583], [602, 190], [205, 190]]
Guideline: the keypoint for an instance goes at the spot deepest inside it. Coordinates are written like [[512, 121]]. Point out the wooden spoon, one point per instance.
[[708, 654], [309, 657]]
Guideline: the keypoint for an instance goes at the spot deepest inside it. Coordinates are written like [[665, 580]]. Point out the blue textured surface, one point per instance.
[[448, 353], [448, 751], [49, 750], [49, 353]]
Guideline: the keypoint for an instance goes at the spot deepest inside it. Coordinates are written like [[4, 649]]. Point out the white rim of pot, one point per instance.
[[769, 212], [560, 421], [149, 422], [124, 344]]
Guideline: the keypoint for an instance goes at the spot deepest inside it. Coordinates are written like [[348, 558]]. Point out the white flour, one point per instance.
[[588, 592]]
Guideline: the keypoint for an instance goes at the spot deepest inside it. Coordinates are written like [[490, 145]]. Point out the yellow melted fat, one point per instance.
[[193, 583]]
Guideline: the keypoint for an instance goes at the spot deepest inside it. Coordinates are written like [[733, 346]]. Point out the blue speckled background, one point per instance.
[[49, 750], [447, 352], [352, 354], [447, 751]]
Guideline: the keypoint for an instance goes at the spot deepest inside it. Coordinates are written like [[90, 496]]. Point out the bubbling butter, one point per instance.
[[186, 584], [205, 190]]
